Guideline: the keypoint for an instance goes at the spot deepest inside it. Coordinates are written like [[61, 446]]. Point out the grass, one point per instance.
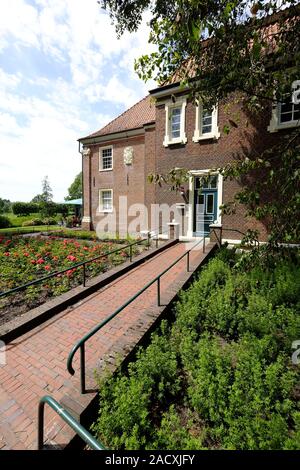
[[22, 230], [17, 220]]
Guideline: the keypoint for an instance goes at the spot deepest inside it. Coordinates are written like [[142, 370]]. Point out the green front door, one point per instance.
[[205, 204]]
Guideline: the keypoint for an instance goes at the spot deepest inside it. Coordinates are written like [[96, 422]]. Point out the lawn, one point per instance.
[[17, 220], [220, 375], [29, 258]]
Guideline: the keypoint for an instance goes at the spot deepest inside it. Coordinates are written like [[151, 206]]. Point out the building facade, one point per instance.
[[166, 130]]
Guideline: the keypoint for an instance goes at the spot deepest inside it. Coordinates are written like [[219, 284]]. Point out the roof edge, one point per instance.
[[115, 135]]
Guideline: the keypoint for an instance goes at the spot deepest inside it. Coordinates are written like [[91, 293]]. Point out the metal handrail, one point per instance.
[[81, 343], [225, 229], [75, 266], [68, 418]]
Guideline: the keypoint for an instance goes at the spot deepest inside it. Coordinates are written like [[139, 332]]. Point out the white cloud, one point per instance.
[[83, 74]]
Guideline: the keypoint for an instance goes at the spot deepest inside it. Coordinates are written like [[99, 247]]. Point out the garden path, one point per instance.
[[36, 362]]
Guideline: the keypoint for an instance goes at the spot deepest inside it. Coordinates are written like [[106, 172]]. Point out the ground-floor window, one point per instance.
[[105, 200]]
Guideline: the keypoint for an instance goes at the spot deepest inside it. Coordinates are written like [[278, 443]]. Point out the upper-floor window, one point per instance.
[[285, 114], [289, 112], [105, 158], [206, 124], [105, 200], [175, 122]]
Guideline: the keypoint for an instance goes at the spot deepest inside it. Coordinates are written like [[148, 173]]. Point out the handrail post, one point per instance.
[[83, 274], [41, 425], [82, 368], [204, 244], [188, 261], [156, 241], [148, 236], [158, 291], [130, 252]]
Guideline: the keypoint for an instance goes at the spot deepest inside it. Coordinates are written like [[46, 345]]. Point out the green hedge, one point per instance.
[[4, 222], [220, 376], [25, 208]]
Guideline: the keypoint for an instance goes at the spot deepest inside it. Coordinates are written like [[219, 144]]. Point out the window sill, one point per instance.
[[105, 211], [275, 127], [179, 140], [198, 137], [106, 169]]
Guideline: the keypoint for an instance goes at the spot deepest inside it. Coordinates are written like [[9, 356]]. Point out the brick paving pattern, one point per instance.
[[36, 362]]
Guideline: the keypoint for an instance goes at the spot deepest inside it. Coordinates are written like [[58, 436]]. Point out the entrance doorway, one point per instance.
[[205, 203]]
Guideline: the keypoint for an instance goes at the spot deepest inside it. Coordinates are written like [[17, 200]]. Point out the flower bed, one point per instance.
[[23, 260]]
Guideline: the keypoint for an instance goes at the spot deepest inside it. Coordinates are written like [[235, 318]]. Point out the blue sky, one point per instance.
[[63, 74]]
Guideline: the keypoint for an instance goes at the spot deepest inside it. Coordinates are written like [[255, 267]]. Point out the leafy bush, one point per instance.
[[4, 222], [128, 400], [32, 223], [24, 208], [49, 221], [221, 375]]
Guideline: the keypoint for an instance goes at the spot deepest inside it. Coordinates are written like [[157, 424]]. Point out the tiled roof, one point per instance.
[[135, 117]]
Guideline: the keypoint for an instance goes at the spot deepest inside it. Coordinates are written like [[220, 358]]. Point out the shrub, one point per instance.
[[221, 375], [243, 392], [4, 222], [127, 401], [49, 209], [24, 208], [32, 223], [49, 221]]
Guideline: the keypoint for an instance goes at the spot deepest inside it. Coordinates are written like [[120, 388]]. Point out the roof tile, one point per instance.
[[139, 114]]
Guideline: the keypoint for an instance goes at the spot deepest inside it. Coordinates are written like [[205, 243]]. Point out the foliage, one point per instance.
[[241, 53], [75, 190], [5, 206], [223, 45], [24, 208], [4, 222], [220, 376], [47, 194], [37, 222]]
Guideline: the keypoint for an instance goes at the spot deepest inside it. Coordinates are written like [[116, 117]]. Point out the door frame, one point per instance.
[[191, 211]]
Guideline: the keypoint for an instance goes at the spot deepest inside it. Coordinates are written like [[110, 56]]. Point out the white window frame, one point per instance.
[[101, 158], [275, 124], [101, 209], [214, 134], [169, 105]]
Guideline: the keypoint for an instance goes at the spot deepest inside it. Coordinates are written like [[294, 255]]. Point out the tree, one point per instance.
[[75, 190], [47, 193], [217, 48], [5, 206], [37, 199]]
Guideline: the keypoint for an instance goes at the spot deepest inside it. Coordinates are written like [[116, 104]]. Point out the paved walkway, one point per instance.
[[36, 362]]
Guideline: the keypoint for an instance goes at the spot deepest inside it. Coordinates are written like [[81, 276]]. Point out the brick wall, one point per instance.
[[150, 156], [124, 180], [250, 135]]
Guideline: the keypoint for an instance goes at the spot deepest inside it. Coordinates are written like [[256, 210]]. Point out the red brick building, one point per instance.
[[163, 131]]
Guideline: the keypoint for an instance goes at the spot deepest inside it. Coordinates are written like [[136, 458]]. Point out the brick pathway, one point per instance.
[[36, 362]]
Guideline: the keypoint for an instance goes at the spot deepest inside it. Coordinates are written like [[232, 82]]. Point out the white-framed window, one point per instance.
[[206, 123], [105, 200], [105, 158], [175, 122], [285, 114]]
